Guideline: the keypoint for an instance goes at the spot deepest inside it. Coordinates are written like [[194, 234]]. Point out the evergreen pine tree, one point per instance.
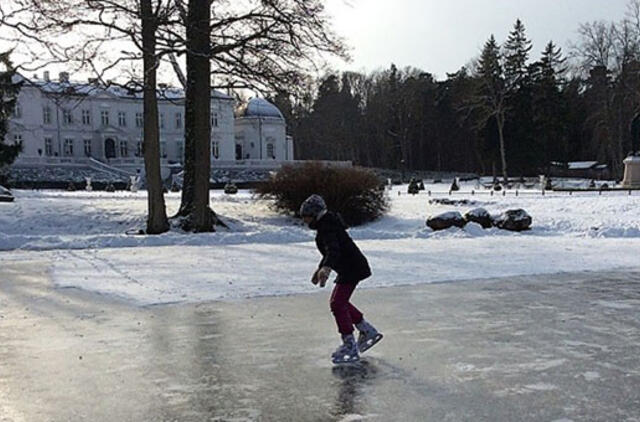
[[489, 100], [9, 90], [516, 55], [519, 129], [325, 119], [549, 108], [552, 62]]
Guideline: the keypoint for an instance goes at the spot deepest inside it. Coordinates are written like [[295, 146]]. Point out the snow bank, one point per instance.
[[46, 220], [82, 235], [156, 275]]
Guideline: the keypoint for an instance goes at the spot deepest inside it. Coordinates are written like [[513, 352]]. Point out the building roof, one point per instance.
[[92, 89], [581, 165], [259, 107], [578, 165]]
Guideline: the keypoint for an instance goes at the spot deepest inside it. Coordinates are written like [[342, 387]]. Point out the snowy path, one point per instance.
[[193, 274]]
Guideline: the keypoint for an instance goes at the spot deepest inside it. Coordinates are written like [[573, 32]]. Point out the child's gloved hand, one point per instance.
[[323, 275]]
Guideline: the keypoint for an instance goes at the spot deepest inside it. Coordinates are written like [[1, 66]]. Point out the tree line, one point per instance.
[[507, 113]]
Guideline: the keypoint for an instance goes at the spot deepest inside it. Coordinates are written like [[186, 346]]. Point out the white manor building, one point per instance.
[[260, 132], [69, 123]]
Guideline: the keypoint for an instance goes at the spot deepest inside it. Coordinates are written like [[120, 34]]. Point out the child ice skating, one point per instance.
[[340, 254]]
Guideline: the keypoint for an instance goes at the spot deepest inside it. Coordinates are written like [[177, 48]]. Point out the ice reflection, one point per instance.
[[354, 378]]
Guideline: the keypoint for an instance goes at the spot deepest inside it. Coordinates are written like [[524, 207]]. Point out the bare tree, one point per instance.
[[83, 34], [195, 209], [157, 216], [265, 45], [596, 45], [609, 57], [257, 44]]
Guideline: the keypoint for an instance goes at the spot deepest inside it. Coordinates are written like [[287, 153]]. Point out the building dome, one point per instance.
[[259, 107]]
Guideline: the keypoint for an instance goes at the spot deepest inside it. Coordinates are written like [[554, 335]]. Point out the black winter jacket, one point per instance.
[[338, 250]]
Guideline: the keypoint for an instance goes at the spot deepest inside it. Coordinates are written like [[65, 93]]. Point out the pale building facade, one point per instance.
[[64, 122], [261, 132]]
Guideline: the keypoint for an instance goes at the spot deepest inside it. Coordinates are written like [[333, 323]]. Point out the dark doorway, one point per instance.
[[109, 148], [238, 152]]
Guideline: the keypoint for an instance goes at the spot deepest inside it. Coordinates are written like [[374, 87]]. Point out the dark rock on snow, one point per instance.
[[446, 220], [514, 220], [480, 216]]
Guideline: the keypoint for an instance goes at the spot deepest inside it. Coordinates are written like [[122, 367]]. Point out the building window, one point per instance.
[[139, 120], [271, 151], [139, 149], [163, 149], [124, 151], [46, 115], [86, 117], [17, 111], [67, 117], [180, 151], [238, 152], [178, 120], [48, 147], [122, 119], [161, 120], [68, 147], [214, 119], [104, 117], [215, 149], [87, 147], [17, 139]]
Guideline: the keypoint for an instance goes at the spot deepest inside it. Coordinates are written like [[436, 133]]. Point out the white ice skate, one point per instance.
[[368, 336], [347, 352]]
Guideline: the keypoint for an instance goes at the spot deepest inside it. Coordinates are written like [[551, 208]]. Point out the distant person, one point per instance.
[[340, 254]]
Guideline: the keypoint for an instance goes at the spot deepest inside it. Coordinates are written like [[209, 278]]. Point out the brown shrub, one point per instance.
[[356, 193]]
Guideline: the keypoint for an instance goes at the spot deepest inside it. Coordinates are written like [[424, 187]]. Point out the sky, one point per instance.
[[440, 36]]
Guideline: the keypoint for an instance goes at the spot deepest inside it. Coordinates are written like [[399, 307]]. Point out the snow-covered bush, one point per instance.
[[414, 187], [354, 192], [230, 189]]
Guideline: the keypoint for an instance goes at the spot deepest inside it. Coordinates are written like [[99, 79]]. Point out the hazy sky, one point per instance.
[[440, 36]]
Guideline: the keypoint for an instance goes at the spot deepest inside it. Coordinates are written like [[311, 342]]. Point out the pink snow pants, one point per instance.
[[345, 313]]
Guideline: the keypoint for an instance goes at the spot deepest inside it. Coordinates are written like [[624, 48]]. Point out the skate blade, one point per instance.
[[345, 362], [370, 343]]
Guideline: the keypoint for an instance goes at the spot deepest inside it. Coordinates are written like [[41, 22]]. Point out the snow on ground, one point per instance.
[[82, 237]]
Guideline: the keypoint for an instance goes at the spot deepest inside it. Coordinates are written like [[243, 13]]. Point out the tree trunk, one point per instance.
[[478, 154], [194, 208], [157, 216], [503, 154]]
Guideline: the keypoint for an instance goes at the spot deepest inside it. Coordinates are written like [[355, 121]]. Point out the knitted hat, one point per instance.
[[312, 206]]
